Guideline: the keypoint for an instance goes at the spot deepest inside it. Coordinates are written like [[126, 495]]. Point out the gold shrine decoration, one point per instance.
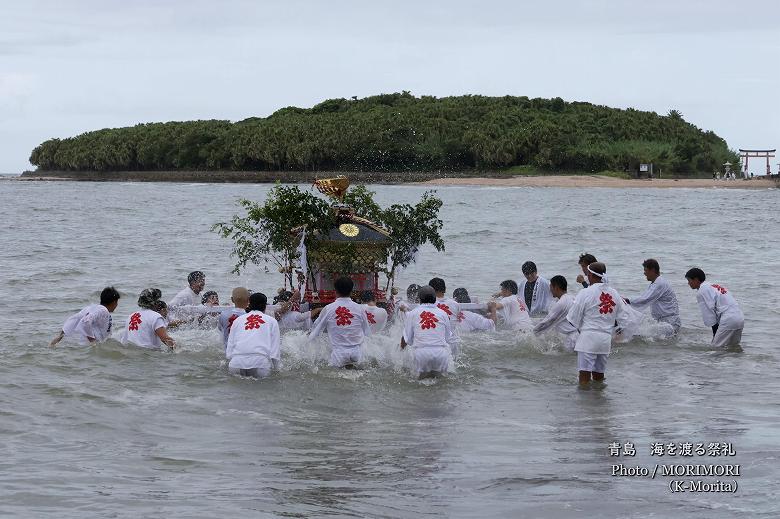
[[348, 229], [333, 187]]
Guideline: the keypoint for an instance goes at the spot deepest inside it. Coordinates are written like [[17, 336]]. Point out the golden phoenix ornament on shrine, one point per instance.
[[333, 187]]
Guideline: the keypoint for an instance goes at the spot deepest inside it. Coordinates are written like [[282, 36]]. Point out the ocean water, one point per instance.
[[111, 431]]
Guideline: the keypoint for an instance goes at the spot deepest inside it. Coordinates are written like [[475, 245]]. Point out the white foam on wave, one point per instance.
[[381, 350]]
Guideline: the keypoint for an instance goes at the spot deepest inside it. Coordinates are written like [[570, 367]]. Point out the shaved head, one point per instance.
[[240, 297]]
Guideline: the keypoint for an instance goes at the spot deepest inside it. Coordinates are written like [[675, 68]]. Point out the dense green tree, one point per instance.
[[264, 233], [400, 132]]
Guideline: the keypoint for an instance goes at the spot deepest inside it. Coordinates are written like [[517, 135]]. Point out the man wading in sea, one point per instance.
[[556, 318], [189, 296], [585, 260], [659, 296], [148, 327], [428, 330], [535, 290], [594, 313], [254, 343], [93, 323], [240, 298], [718, 309], [451, 308], [347, 325]]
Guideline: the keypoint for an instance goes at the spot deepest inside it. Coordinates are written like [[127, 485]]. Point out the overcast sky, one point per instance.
[[71, 66]]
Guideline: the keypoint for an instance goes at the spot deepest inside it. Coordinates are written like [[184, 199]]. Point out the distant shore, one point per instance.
[[249, 177], [433, 178], [603, 181]]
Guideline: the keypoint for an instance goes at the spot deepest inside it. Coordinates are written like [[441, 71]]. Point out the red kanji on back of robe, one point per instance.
[[230, 320], [253, 322], [371, 319], [428, 320], [446, 309], [343, 316], [606, 304], [135, 320], [720, 289]]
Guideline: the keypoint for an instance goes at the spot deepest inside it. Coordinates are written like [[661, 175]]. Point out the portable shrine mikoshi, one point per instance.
[[353, 247]]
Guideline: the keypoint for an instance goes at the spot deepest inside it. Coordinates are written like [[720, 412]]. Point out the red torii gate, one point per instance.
[[745, 154]]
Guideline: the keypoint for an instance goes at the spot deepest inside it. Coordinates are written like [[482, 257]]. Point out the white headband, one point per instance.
[[601, 276]]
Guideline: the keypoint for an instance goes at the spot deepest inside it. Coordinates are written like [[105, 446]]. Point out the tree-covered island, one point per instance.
[[400, 132]]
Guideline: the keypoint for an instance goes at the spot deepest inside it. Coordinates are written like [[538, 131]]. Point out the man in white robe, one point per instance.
[[534, 290], [93, 323], [451, 308], [377, 316], [718, 308], [240, 298], [471, 321], [659, 296], [593, 314], [556, 317], [189, 296], [412, 300], [288, 312], [254, 343], [428, 330], [347, 325], [585, 260], [510, 312], [148, 326], [294, 320]]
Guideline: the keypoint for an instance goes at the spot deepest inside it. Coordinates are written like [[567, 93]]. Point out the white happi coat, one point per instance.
[[542, 297], [225, 321], [556, 320], [514, 314], [428, 330], [719, 307], [141, 328], [452, 308], [293, 320], [93, 322], [254, 342], [662, 300], [474, 322], [346, 322], [186, 297], [377, 318], [594, 313]]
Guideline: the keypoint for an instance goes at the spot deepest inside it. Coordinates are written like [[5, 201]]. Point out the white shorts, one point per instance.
[[726, 338], [340, 356], [431, 358], [596, 362]]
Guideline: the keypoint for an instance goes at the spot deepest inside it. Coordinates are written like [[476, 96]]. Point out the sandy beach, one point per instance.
[[602, 181], [457, 178]]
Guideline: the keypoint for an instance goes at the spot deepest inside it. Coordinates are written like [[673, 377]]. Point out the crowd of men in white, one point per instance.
[[432, 322]]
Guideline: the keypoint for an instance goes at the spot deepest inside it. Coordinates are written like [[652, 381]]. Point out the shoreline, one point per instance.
[[246, 177], [433, 178], [589, 181]]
